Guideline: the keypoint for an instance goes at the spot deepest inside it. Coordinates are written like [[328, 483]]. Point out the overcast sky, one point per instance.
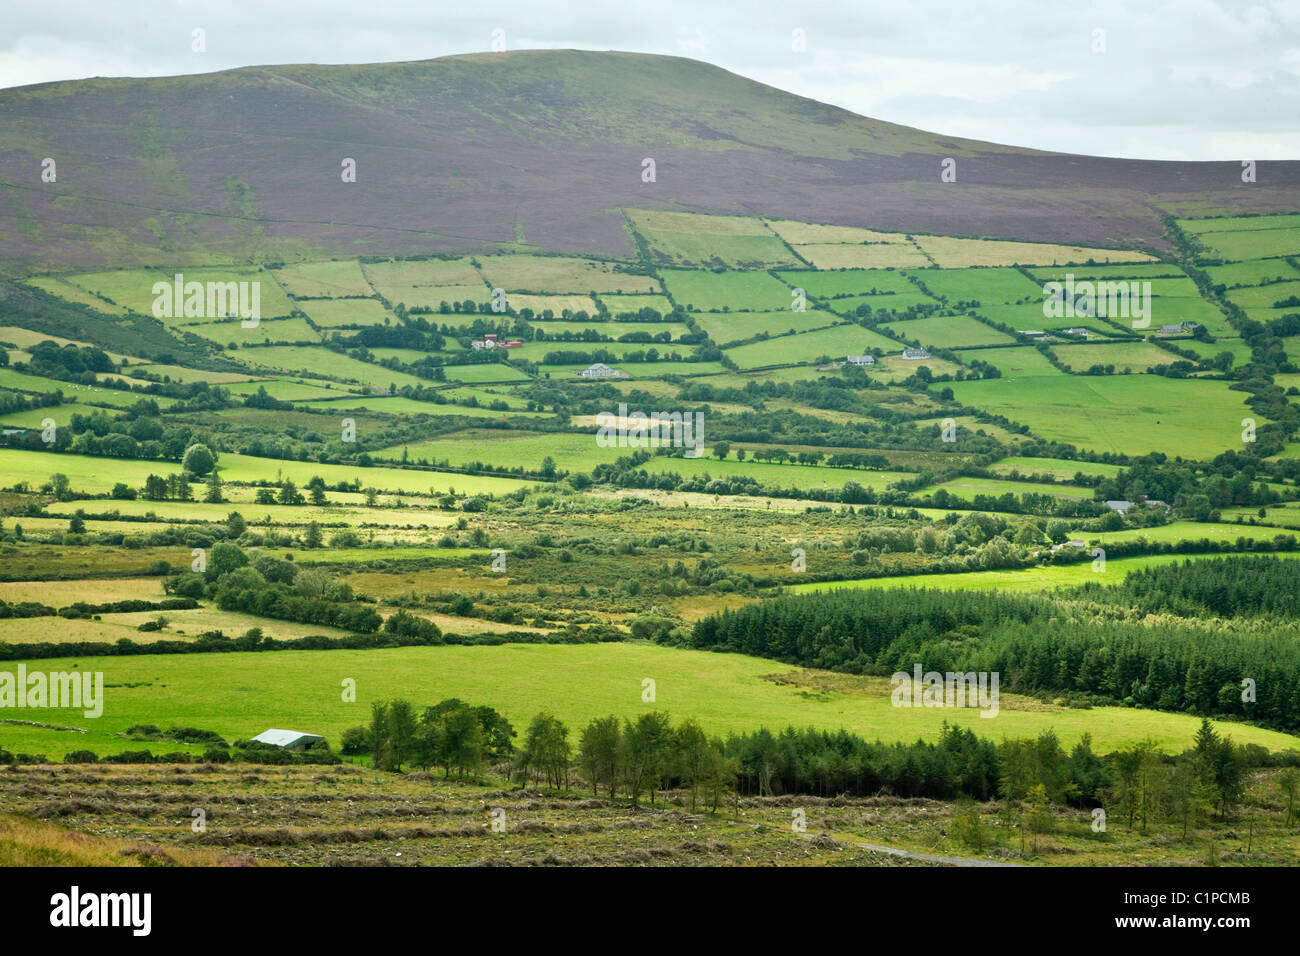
[[1197, 79]]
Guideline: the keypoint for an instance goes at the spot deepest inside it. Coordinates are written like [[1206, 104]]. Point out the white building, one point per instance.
[[862, 360], [288, 739], [601, 370], [914, 354]]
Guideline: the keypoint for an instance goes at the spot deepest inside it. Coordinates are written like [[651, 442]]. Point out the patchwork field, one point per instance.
[[1131, 414], [834, 343]]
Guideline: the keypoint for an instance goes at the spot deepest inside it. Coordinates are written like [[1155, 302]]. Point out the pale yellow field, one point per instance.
[[952, 253], [428, 272], [690, 222], [847, 256], [62, 593], [805, 233]]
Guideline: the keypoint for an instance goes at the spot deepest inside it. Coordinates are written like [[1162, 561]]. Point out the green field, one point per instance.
[[836, 342], [700, 290], [561, 274], [1252, 273], [324, 280], [850, 282], [985, 286], [267, 332], [341, 313], [239, 695], [1061, 470], [133, 288], [968, 488], [1021, 580], [1254, 243], [947, 331], [894, 303], [725, 328], [620, 304], [1130, 356], [317, 361], [1018, 362], [1131, 414], [98, 475]]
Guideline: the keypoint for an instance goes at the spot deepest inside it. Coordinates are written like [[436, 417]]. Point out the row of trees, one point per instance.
[[636, 757]]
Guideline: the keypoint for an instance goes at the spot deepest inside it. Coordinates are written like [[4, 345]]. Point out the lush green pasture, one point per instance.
[[836, 342], [1130, 356], [1023, 580], [1055, 467], [1251, 273], [986, 286], [354, 515], [1168, 310], [1185, 531], [892, 303], [287, 390], [620, 304], [133, 288], [947, 331], [1254, 243], [432, 297], [728, 327], [484, 372], [98, 475], [82, 394], [830, 285], [774, 475], [1238, 223], [554, 303], [1018, 362], [1267, 296], [321, 362], [572, 452], [1081, 273], [701, 290], [561, 274], [35, 418], [267, 332], [611, 329], [1132, 414], [422, 272], [339, 313], [239, 695], [177, 373], [968, 488], [1239, 350], [71, 293], [324, 280]]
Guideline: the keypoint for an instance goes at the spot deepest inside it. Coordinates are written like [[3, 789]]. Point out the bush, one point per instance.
[[356, 740], [81, 756]]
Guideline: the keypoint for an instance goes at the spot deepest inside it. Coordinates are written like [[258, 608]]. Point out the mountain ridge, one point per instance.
[[464, 154]]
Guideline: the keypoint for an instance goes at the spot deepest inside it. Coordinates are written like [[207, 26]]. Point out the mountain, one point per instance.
[[530, 149]]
